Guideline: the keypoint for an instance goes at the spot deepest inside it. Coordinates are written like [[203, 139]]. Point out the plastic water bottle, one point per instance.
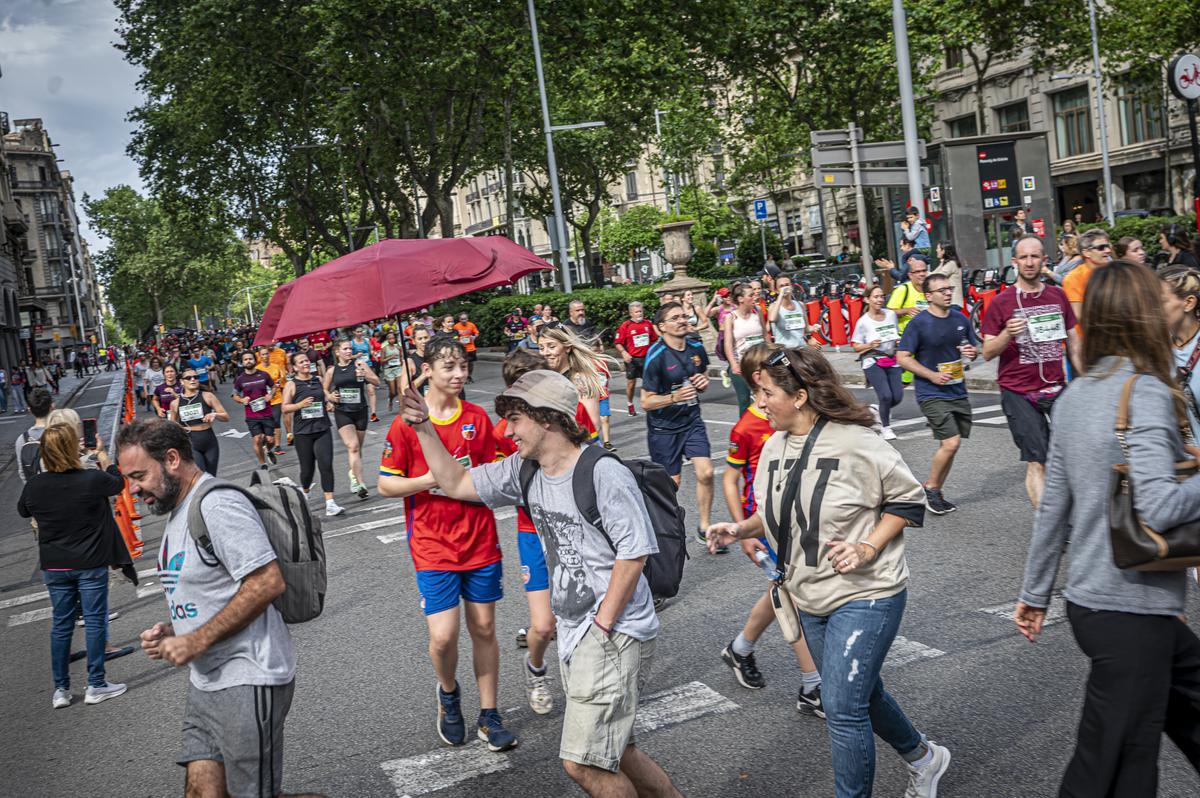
[[764, 561], [964, 342]]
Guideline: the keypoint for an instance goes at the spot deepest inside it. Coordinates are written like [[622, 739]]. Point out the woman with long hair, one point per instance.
[[304, 400], [1069, 247], [874, 341], [846, 573], [195, 409], [416, 358], [345, 385], [951, 266], [1181, 305], [166, 391], [1145, 662], [390, 357], [742, 329], [569, 355]]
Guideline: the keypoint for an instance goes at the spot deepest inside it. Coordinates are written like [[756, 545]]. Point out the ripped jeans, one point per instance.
[[849, 646]]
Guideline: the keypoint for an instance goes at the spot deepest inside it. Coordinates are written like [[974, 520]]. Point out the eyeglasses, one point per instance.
[[189, 377], [945, 290], [674, 319], [780, 358]]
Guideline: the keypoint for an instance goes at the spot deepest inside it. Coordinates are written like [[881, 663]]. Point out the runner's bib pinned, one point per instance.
[[259, 404], [350, 396], [1046, 327], [887, 332], [315, 410], [641, 339], [955, 369], [190, 413]]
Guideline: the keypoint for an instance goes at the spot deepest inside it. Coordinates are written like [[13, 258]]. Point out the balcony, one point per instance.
[[486, 224], [15, 221], [473, 196]]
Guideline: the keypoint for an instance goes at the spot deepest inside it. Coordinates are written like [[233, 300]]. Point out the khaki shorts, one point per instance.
[[948, 418], [602, 683]]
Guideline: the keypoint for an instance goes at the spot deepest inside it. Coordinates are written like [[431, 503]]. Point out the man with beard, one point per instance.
[[252, 388], [222, 621]]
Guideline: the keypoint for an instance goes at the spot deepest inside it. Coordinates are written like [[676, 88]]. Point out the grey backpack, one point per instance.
[[295, 534]]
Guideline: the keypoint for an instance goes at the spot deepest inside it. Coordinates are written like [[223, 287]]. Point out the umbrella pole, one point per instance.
[[408, 375]]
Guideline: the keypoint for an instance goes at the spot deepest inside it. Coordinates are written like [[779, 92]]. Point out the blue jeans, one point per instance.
[[18, 399], [89, 588], [849, 646]]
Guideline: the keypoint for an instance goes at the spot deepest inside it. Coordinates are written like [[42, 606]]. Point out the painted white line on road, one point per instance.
[[1056, 613], [17, 601], [997, 421], [147, 572], [905, 651], [378, 523], [392, 537], [976, 412], [40, 614], [679, 704], [437, 770], [148, 589], [232, 433], [85, 407]]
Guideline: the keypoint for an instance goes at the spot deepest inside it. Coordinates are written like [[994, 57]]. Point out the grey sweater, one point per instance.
[[1083, 450]]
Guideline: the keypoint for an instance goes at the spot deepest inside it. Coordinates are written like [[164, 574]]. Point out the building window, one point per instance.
[[954, 58], [963, 126], [1013, 118], [1073, 122], [1141, 112], [631, 191]]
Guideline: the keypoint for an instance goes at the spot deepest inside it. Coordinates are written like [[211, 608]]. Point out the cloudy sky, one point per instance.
[[59, 64]]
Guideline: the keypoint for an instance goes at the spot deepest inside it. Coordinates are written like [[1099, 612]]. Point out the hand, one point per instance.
[[180, 650], [876, 343], [413, 408], [1029, 620], [700, 381], [152, 639], [685, 394], [846, 556], [308, 400], [736, 368], [885, 263], [721, 534], [969, 351], [1015, 326], [161, 413], [99, 448], [752, 547], [209, 418], [626, 357], [941, 378]]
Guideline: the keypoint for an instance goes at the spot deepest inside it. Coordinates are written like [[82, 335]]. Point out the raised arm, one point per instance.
[[446, 472]]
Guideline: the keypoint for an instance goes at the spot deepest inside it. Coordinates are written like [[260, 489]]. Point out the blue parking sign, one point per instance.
[[760, 209]]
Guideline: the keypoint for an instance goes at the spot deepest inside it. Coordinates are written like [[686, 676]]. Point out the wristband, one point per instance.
[[607, 632], [874, 548]]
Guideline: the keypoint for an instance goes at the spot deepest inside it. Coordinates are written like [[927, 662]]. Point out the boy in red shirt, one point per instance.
[[746, 441], [455, 549], [633, 340]]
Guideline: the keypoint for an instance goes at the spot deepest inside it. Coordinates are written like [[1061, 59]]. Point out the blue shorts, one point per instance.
[[443, 590], [669, 448], [534, 572], [605, 411]]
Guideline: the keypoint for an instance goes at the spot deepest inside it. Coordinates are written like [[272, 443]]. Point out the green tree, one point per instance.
[[622, 237]]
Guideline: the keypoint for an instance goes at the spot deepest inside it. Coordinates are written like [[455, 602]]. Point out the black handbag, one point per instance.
[[1135, 545]]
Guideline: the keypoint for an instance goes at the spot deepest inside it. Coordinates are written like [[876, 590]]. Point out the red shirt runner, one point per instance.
[[636, 336], [746, 441]]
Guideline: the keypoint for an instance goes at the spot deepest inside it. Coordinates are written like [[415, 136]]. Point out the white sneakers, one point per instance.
[[888, 435], [923, 780], [97, 694], [62, 698], [332, 508], [538, 690]]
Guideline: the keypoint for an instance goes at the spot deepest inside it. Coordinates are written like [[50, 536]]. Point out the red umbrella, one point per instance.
[[395, 276]]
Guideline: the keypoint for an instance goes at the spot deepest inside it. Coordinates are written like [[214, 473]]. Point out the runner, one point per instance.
[[467, 332], [533, 331], [874, 340], [1026, 328], [674, 376], [304, 401], [166, 391], [416, 356], [578, 362], [362, 353], [252, 388], [268, 362], [456, 552], [390, 356], [745, 446], [604, 404], [343, 385], [152, 377], [223, 623], [446, 326], [139, 381], [633, 340], [933, 348], [908, 300], [514, 328], [196, 410], [741, 329], [789, 318], [606, 622]]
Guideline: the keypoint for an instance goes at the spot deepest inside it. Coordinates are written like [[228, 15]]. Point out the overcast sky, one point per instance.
[[59, 65]]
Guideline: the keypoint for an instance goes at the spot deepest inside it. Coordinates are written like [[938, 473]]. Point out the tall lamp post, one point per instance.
[[908, 118]]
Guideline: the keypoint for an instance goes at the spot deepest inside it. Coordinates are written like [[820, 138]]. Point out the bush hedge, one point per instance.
[[1146, 230]]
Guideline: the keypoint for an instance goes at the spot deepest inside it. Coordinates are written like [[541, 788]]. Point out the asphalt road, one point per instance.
[[362, 723]]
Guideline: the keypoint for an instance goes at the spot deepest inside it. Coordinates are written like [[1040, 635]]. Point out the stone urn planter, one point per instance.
[[677, 248]]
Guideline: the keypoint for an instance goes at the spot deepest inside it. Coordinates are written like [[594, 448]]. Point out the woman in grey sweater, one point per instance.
[[1145, 675]]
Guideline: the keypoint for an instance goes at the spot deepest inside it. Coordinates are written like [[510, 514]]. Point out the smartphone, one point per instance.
[[89, 434]]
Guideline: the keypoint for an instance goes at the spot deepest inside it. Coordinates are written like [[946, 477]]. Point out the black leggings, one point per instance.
[[315, 449], [888, 388], [206, 451]]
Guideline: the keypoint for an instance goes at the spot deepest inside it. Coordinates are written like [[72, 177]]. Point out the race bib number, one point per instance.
[[315, 410], [955, 369], [259, 404], [795, 321], [464, 461], [1045, 327], [641, 339], [751, 340], [190, 413], [464, 339], [921, 304], [350, 396], [394, 361], [887, 332]]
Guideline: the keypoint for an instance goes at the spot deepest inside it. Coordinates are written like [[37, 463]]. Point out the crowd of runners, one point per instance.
[[817, 497]]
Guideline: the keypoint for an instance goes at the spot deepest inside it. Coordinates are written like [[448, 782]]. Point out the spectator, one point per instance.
[[914, 229], [1130, 249], [578, 322], [1018, 228], [949, 266], [27, 457], [1096, 252], [1176, 242]]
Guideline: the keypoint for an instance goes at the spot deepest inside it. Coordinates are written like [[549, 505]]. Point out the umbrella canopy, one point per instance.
[[392, 277]]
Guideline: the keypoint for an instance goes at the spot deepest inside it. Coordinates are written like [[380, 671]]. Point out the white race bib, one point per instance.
[[464, 339], [955, 369], [641, 339], [921, 304], [887, 332], [1045, 327], [259, 404], [190, 413], [350, 396], [795, 321], [315, 410], [394, 361]]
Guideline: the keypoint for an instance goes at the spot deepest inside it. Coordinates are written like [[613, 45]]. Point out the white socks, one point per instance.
[[741, 646]]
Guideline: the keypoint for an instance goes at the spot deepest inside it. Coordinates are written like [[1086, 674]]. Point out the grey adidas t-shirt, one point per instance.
[[260, 654], [578, 557]]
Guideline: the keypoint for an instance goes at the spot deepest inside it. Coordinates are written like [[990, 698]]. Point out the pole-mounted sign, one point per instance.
[[1183, 78]]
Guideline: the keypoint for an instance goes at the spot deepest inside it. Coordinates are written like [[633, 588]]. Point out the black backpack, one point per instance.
[[29, 458], [664, 570]]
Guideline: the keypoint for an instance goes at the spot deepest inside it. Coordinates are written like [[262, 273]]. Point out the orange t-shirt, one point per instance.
[[466, 334], [1075, 284]]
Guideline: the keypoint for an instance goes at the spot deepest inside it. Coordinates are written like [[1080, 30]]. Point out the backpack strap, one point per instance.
[[197, 528], [529, 469], [783, 529], [583, 485]]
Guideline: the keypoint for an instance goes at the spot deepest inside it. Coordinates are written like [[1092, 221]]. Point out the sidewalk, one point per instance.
[[980, 377]]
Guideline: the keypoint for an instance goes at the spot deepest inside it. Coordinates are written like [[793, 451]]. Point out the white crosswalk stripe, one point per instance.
[[40, 614], [1056, 613]]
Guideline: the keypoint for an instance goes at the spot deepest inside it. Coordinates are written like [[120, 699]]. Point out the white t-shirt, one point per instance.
[[886, 331]]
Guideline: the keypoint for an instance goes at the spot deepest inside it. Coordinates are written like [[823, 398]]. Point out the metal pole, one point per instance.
[[1108, 196], [1191, 106], [908, 114], [762, 232], [249, 307], [417, 208], [666, 176], [559, 219], [860, 205]]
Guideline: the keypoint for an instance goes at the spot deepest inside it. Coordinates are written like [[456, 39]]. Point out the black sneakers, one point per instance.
[[745, 670], [810, 703], [937, 502]]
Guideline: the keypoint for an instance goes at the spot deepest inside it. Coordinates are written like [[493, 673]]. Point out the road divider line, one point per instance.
[[148, 589], [392, 537], [905, 652], [976, 412], [678, 705], [40, 614], [17, 601], [1056, 613], [437, 770], [365, 526]]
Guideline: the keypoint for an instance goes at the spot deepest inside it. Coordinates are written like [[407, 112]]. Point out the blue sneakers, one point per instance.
[[492, 731], [450, 725]]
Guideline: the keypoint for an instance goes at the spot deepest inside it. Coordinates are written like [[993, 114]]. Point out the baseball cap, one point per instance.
[[546, 389], [722, 291], [772, 269]]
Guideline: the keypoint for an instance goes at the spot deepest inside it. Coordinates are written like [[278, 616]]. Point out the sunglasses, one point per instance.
[[1101, 247], [189, 377], [780, 358]]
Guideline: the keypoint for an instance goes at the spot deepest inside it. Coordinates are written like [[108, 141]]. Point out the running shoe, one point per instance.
[[725, 381], [810, 703], [923, 779], [537, 689], [888, 435], [522, 638], [450, 725], [632, 412], [937, 505], [271, 456], [62, 698], [374, 417], [279, 450], [289, 439], [608, 445], [332, 508], [745, 669], [492, 731], [362, 491], [354, 484], [106, 691]]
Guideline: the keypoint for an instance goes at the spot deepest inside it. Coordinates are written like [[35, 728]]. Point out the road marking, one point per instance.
[[997, 421], [392, 537], [680, 704], [1056, 613], [232, 433], [148, 589], [905, 651], [17, 601], [365, 526], [975, 413], [437, 770], [40, 614], [147, 572]]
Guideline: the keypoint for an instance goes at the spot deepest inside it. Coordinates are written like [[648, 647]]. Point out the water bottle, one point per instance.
[[763, 559], [964, 342]]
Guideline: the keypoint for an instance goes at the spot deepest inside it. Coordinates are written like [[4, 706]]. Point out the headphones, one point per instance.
[[1171, 233]]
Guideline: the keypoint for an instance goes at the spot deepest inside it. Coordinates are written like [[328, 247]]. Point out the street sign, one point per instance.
[[760, 209], [998, 175], [880, 177], [1183, 77], [867, 153], [839, 136]]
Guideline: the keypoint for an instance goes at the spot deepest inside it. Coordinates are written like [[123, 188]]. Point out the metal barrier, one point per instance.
[[124, 510]]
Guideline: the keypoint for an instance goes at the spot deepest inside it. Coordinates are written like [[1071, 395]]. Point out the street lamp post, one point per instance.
[[668, 180], [908, 118]]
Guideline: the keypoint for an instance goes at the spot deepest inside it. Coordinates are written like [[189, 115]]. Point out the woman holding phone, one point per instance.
[[196, 410]]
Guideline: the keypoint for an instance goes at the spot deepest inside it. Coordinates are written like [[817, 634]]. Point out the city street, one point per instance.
[[362, 723]]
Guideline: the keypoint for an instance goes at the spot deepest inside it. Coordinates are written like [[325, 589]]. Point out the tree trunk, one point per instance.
[[979, 109], [445, 210]]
